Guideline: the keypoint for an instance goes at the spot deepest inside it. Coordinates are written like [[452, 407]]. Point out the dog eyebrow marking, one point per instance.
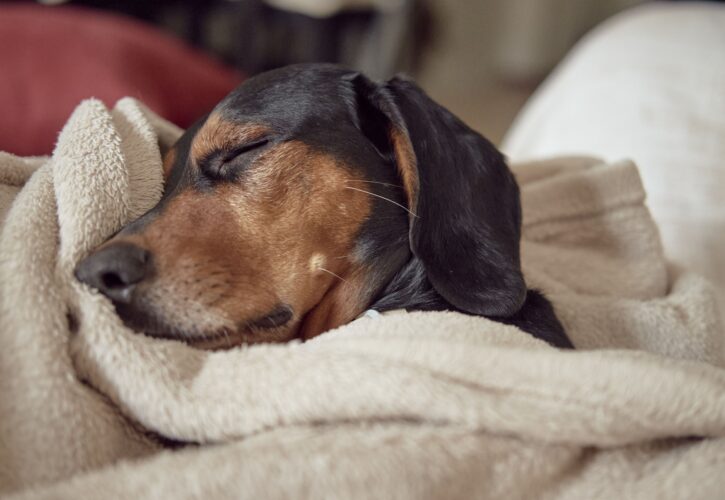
[[169, 160], [218, 134]]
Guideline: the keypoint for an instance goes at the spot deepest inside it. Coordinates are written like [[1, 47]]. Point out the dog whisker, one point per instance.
[[383, 198], [375, 182], [333, 274]]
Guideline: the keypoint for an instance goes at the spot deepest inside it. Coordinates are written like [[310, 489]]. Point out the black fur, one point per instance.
[[468, 216]]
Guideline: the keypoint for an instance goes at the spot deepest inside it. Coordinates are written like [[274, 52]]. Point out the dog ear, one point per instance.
[[465, 225]]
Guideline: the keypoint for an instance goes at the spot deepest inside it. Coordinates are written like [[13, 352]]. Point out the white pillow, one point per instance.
[[648, 84]]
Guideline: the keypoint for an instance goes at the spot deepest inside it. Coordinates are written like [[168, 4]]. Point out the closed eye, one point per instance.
[[245, 149], [225, 165]]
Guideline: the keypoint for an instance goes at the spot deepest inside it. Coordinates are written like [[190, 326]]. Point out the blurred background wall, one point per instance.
[[480, 58], [489, 55]]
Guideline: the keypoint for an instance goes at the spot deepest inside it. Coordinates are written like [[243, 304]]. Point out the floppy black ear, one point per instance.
[[467, 223]]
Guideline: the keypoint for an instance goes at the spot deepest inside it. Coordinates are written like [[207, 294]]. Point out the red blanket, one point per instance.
[[53, 57]]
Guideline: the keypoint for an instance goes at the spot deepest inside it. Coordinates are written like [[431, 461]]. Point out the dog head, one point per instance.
[[291, 207]]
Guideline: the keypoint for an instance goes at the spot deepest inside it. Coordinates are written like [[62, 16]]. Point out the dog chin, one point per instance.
[[217, 341], [266, 329]]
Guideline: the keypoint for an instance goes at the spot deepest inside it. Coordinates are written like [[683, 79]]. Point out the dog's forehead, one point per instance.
[[288, 96], [313, 104]]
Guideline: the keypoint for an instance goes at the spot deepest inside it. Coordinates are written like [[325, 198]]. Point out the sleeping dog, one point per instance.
[[309, 195]]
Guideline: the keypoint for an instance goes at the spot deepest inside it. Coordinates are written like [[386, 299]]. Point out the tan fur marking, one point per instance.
[[169, 159], [343, 302], [227, 256], [217, 134], [407, 167], [300, 216]]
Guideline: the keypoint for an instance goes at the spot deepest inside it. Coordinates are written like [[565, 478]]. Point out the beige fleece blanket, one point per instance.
[[419, 405]]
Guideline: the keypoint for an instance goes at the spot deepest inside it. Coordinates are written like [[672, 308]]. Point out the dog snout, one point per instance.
[[116, 270]]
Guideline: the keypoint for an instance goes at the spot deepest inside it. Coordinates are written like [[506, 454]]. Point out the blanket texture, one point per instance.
[[405, 405]]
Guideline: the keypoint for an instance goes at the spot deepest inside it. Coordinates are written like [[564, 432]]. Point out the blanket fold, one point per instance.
[[405, 405]]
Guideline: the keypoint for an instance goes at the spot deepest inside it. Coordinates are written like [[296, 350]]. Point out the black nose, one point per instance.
[[115, 270]]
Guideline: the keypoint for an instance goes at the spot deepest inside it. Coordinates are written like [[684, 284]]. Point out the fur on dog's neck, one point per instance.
[[410, 289]]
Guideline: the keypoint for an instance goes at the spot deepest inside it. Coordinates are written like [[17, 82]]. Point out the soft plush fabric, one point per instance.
[[649, 85], [405, 405], [51, 58]]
